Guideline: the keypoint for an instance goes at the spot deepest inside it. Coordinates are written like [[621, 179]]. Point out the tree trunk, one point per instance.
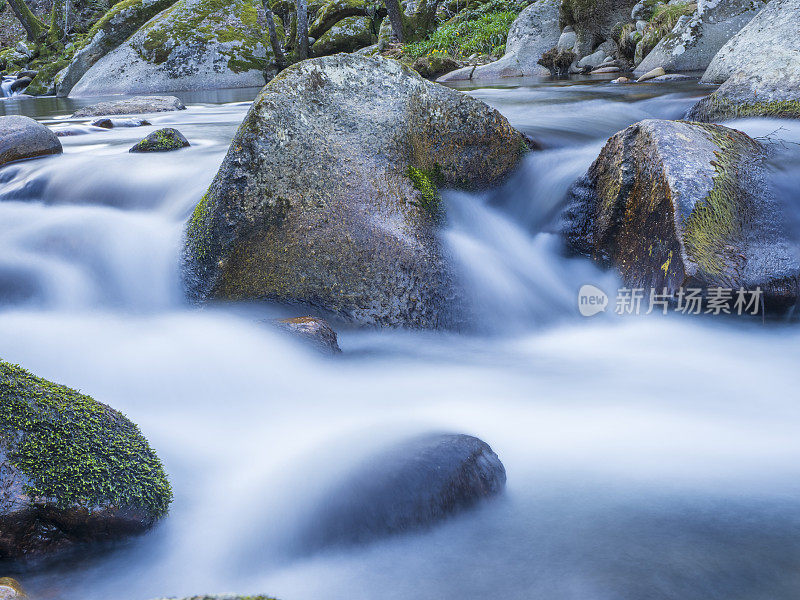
[[277, 49], [395, 19], [34, 28], [302, 30]]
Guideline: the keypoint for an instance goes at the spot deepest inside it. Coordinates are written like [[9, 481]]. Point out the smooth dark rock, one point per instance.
[[314, 330], [20, 84], [162, 140], [109, 123], [131, 106], [22, 137], [410, 485]]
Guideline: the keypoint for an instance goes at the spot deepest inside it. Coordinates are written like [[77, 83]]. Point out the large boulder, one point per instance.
[[410, 485], [771, 40], [594, 21], [193, 45], [534, 32], [72, 470], [328, 194], [116, 26], [136, 105], [673, 204], [695, 40], [22, 137]]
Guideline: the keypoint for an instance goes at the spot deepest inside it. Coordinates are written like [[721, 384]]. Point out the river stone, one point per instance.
[[116, 26], [20, 84], [410, 485], [347, 35], [673, 204], [594, 21], [136, 105], [328, 196], [161, 140], [22, 137], [534, 32], [110, 123], [771, 39], [193, 45], [694, 41], [314, 330], [72, 470], [10, 589]]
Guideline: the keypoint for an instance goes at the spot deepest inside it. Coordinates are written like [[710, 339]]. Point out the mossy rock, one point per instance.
[[193, 44], [593, 20], [72, 470], [118, 24], [162, 140], [347, 35], [673, 204], [316, 203]]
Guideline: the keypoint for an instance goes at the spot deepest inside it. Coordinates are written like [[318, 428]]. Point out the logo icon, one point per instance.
[[591, 300]]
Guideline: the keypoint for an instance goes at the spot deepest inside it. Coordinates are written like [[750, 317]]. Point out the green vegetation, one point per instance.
[[75, 451], [427, 183], [461, 38]]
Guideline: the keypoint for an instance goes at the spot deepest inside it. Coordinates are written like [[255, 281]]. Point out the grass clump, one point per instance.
[[465, 35]]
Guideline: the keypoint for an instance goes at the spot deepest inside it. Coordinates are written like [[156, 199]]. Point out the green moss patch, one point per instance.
[[427, 183], [75, 451]]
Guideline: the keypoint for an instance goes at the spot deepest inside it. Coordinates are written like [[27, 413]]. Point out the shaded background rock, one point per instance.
[[22, 137], [672, 204], [695, 40], [411, 485], [72, 470], [328, 194]]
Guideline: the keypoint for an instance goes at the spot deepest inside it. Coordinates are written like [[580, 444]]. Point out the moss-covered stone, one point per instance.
[[676, 204], [162, 140], [334, 11], [71, 469]]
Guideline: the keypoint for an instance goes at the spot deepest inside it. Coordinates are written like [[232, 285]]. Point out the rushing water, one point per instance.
[[647, 457]]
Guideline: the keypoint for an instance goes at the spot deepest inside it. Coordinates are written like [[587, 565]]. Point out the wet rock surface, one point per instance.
[[329, 193], [162, 140], [131, 106], [672, 205], [22, 138]]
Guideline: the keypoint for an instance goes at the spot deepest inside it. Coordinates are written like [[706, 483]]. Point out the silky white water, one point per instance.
[[647, 457]]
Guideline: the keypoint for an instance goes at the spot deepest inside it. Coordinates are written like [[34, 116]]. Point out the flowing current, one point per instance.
[[647, 457]]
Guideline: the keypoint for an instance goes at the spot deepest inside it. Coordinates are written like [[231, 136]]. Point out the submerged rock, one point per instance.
[[314, 330], [113, 28], [162, 140], [193, 45], [534, 32], [328, 194], [761, 69], [672, 204], [10, 589], [694, 41], [131, 106], [411, 485], [22, 137], [72, 470], [109, 123]]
